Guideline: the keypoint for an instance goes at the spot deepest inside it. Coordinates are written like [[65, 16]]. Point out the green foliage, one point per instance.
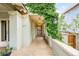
[[47, 10], [74, 25], [63, 26], [6, 51]]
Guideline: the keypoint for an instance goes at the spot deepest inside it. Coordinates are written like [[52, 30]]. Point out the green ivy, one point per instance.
[[48, 10]]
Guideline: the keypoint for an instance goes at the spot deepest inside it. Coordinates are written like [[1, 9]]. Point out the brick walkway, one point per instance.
[[38, 48]]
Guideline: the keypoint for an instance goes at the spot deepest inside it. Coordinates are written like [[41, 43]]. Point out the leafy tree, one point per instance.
[[63, 26], [75, 24], [48, 10]]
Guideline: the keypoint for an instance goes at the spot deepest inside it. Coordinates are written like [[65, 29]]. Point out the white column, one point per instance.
[[15, 30], [19, 31]]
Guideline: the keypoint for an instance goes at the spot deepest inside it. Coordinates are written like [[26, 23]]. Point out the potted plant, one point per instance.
[[6, 52]]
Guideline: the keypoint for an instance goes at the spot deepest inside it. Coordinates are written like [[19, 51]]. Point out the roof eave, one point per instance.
[[70, 8], [20, 7]]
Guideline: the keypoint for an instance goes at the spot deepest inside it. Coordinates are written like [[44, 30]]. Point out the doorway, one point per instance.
[[3, 31]]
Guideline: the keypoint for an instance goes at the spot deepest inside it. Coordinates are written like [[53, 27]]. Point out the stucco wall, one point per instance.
[[3, 43], [61, 49], [13, 30], [26, 31], [19, 31], [15, 21]]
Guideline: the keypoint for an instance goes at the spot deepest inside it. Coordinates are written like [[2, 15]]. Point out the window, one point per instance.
[[3, 30]]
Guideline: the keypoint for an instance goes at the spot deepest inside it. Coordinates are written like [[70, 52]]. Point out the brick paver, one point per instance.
[[38, 48]]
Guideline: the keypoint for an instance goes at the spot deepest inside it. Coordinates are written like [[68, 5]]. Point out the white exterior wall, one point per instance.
[[26, 31], [15, 30], [61, 49], [69, 16], [3, 43], [20, 34], [3, 16], [19, 31]]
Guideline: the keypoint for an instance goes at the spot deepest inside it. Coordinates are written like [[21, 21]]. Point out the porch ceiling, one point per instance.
[[4, 15], [4, 7]]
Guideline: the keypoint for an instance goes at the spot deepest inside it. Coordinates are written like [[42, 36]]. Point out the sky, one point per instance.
[[62, 6]]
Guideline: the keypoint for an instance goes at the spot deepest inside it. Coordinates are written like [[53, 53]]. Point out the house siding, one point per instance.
[[69, 16]]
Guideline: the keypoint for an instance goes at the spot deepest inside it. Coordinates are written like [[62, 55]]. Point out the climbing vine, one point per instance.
[[48, 10]]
